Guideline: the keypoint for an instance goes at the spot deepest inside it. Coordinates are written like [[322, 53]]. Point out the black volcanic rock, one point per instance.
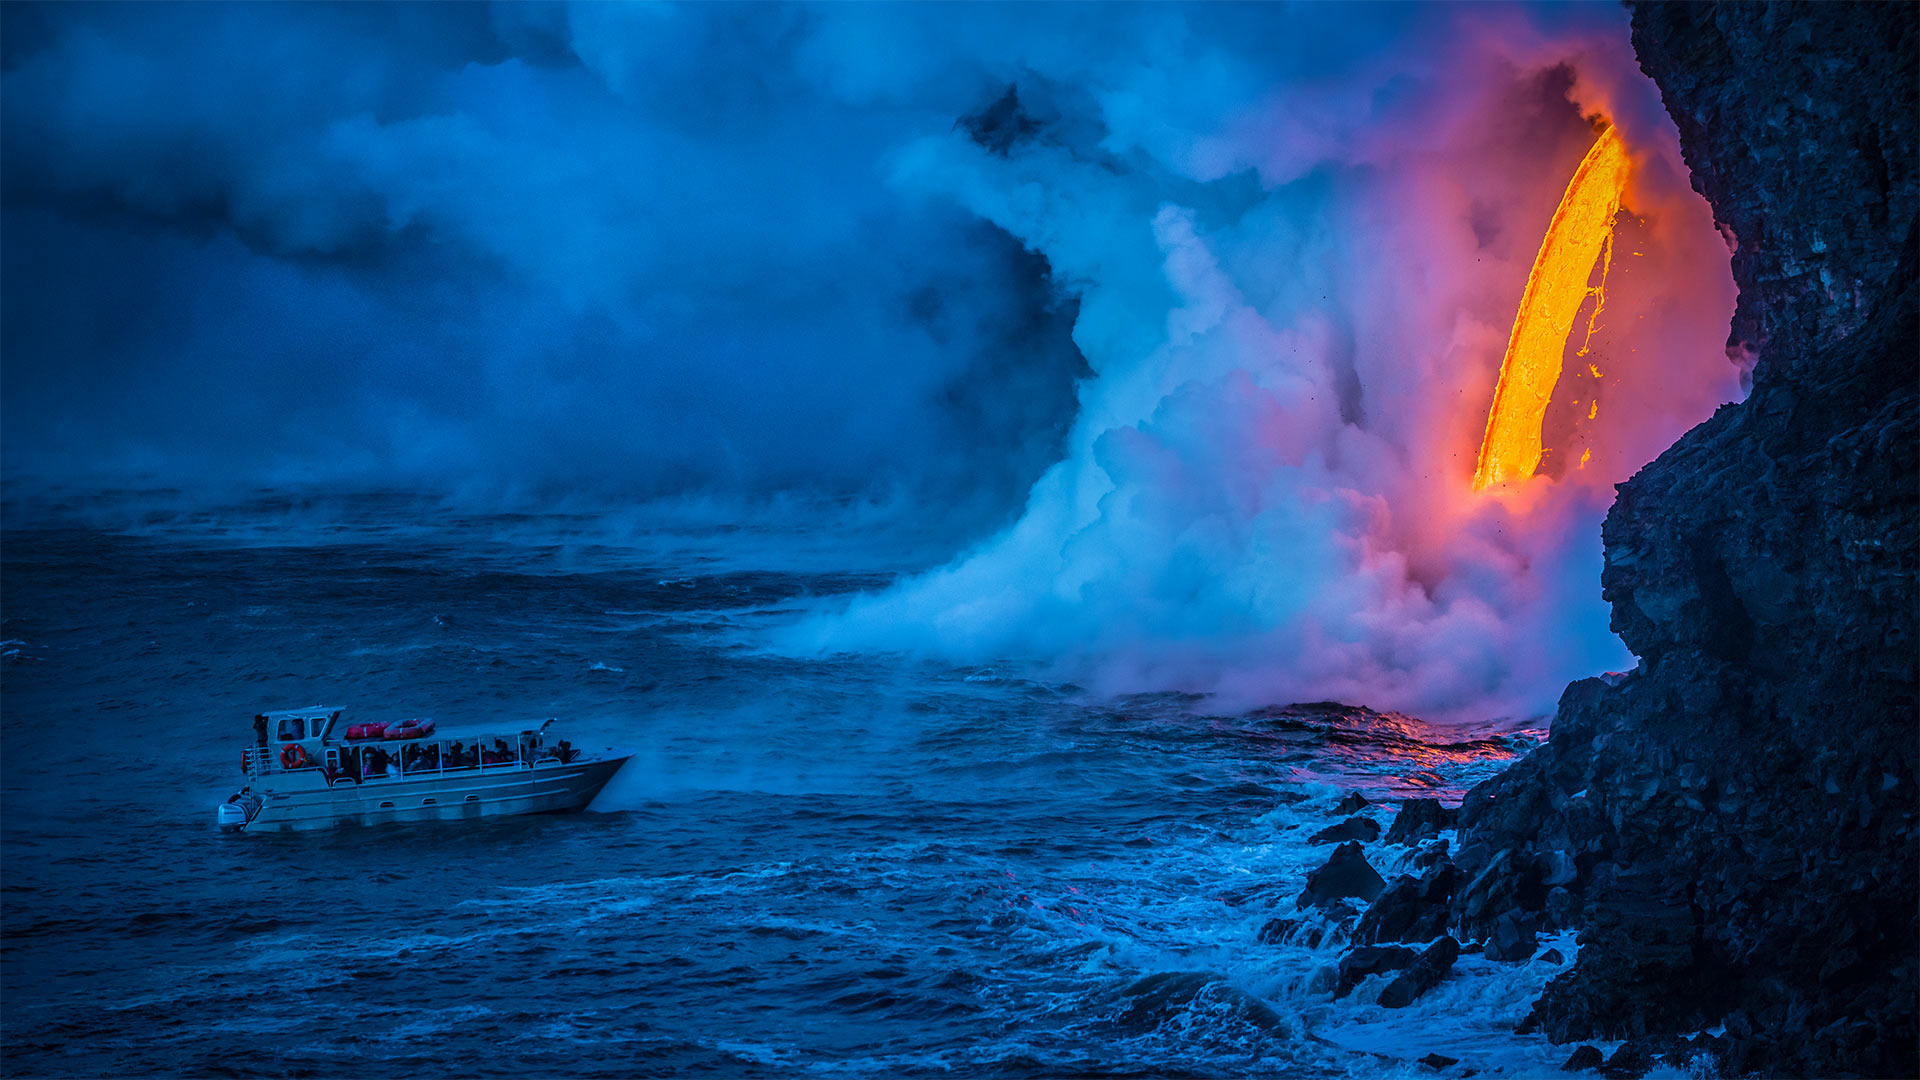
[[1798, 123], [1733, 825], [1419, 819], [1512, 939], [1346, 873], [1157, 998], [1423, 975], [1369, 960], [1365, 830], [1411, 909], [1584, 1058], [1430, 855], [1636, 1057], [1352, 804], [1308, 931]]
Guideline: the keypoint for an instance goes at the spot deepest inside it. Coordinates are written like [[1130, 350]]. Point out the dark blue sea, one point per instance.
[[855, 866]]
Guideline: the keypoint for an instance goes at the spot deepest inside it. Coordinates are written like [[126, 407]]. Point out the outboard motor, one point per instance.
[[234, 814]]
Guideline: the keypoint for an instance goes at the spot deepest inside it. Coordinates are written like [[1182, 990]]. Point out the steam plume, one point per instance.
[[1295, 304]]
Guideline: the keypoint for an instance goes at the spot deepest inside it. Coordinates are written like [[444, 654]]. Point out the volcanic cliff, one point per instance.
[[1733, 824]]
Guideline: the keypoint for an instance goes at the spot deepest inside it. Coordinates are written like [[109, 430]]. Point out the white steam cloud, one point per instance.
[[1296, 283]]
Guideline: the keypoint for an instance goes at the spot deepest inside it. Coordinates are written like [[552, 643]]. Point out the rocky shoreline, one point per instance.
[[1732, 826]]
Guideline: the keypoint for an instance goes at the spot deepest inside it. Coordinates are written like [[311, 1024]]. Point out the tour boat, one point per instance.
[[308, 769]]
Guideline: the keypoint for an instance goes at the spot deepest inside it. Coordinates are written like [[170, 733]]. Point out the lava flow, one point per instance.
[[1581, 233]]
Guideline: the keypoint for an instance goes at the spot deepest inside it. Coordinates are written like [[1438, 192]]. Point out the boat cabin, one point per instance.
[[317, 741], [296, 725]]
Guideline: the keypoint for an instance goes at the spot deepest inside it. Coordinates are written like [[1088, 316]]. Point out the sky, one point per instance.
[[1178, 322]]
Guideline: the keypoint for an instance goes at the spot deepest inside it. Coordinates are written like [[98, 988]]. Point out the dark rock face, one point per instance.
[[1733, 826], [1797, 122], [1423, 975], [1419, 819], [1347, 873], [1365, 830]]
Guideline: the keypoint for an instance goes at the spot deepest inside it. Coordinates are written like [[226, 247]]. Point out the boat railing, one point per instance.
[[258, 761]]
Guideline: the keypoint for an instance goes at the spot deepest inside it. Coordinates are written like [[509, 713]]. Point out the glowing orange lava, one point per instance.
[[1580, 235]]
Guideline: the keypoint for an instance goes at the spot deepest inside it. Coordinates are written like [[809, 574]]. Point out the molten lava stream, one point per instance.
[[1579, 235]]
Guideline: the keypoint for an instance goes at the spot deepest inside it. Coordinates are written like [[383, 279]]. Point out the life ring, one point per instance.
[[294, 756]]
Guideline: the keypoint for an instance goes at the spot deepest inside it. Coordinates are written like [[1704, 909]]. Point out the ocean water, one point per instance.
[[853, 866]]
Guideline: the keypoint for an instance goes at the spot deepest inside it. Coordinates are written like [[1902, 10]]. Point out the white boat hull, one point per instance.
[[304, 801]]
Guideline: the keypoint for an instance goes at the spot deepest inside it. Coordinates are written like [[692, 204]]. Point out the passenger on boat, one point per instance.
[[456, 755], [393, 768], [260, 730], [565, 751]]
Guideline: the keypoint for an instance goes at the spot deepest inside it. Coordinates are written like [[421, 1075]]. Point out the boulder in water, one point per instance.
[[1560, 907], [1512, 939], [1422, 975], [1370, 960], [1584, 1058], [1429, 854], [1352, 804], [1275, 931], [1420, 819], [1156, 998], [1308, 932], [1346, 873], [1636, 1057], [1149, 1000], [1411, 909], [1365, 830]]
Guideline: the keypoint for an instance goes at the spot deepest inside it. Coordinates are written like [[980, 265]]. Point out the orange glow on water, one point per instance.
[[1580, 235]]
